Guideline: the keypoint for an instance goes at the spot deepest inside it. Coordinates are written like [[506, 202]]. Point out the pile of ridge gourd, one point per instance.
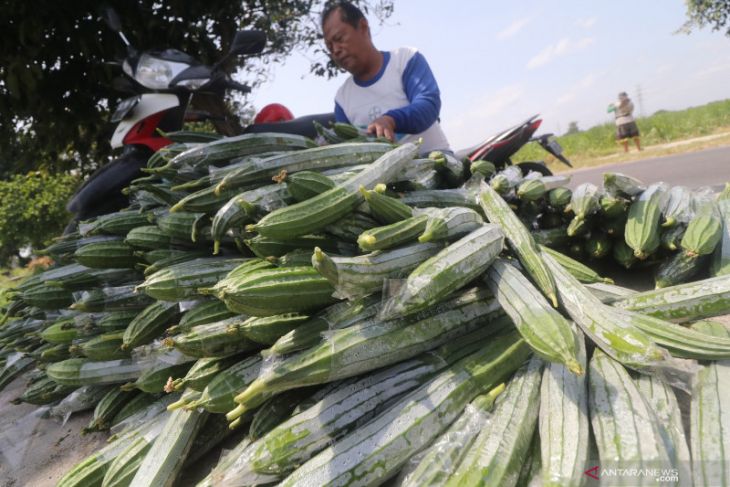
[[351, 313]]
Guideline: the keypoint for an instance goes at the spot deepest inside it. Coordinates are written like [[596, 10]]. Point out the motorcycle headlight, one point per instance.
[[192, 84], [156, 73]]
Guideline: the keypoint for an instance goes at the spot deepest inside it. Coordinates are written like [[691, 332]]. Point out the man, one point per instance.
[[625, 124], [391, 92]]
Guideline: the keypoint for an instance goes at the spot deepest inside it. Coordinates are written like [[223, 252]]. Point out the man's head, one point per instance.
[[347, 37]]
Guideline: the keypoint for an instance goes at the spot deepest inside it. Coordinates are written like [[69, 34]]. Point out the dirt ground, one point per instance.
[[37, 452]]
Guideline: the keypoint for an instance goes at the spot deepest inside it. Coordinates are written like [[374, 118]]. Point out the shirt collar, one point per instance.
[[376, 78]]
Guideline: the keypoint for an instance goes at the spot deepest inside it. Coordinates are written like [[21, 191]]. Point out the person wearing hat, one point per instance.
[[391, 94], [626, 127]]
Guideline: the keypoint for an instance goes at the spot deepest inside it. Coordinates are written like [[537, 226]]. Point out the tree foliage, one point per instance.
[[572, 128], [56, 83], [712, 13], [32, 210]]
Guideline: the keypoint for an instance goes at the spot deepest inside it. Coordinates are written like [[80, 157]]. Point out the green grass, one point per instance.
[[9, 278], [661, 128]]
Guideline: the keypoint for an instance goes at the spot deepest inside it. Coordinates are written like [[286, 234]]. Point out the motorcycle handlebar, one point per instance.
[[235, 85]]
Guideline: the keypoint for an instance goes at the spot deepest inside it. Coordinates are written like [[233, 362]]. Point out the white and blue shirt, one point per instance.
[[404, 89]]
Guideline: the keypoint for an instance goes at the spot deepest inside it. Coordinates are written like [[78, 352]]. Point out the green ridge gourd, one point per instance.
[[318, 212]]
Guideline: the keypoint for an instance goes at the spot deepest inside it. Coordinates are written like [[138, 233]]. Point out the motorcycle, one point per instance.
[[168, 88], [166, 84], [499, 148]]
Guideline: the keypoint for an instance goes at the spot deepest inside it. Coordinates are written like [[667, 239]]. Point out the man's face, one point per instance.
[[347, 45]]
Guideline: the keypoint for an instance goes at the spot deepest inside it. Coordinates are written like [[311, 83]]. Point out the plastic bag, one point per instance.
[[81, 399]]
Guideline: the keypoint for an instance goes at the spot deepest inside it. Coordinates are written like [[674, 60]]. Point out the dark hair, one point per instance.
[[349, 13]]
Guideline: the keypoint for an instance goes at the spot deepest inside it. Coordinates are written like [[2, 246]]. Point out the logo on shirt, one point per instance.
[[375, 112]]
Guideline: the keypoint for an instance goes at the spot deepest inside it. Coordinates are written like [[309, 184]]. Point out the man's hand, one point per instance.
[[383, 127]]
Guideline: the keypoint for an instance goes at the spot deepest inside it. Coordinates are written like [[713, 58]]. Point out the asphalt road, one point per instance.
[[710, 167]]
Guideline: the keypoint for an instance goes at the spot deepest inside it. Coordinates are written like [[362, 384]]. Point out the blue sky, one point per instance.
[[500, 62]]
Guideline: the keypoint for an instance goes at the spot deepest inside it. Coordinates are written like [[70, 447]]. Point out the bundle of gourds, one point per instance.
[[362, 314]]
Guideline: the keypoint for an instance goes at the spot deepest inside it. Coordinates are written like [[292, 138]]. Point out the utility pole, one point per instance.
[[640, 99]]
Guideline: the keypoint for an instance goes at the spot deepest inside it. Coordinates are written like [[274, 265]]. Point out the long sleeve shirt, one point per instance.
[[404, 89]]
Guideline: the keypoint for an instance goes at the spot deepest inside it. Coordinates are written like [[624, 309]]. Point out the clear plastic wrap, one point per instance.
[[617, 184], [226, 459], [447, 271], [144, 416], [513, 175], [338, 410], [184, 306], [217, 173], [609, 292], [449, 223], [14, 359], [662, 400], [157, 354], [345, 314], [318, 160], [499, 451], [585, 200], [83, 398], [612, 330], [353, 277], [564, 427], [419, 174], [438, 462], [273, 200], [709, 417], [85, 322], [343, 173], [624, 425], [86, 228], [270, 363], [117, 298], [721, 257], [552, 182], [678, 206], [241, 473], [473, 184]]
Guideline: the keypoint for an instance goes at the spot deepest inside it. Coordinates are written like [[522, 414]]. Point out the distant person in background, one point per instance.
[[390, 92], [626, 127]]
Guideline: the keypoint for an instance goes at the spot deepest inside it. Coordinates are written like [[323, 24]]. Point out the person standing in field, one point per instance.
[[392, 94], [626, 127]]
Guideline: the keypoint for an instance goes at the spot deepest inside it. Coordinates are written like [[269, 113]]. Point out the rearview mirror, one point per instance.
[[248, 42], [110, 17]]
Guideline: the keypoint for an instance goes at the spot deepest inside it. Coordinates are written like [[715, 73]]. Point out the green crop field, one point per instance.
[[660, 128]]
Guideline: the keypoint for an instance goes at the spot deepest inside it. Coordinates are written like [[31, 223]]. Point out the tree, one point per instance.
[[56, 84], [713, 13], [572, 128]]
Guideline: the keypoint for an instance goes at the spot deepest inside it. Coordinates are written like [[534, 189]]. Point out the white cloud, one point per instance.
[[586, 23], [567, 97], [513, 29], [664, 68], [560, 48], [487, 115], [585, 42], [579, 86], [711, 70], [586, 81], [496, 103]]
